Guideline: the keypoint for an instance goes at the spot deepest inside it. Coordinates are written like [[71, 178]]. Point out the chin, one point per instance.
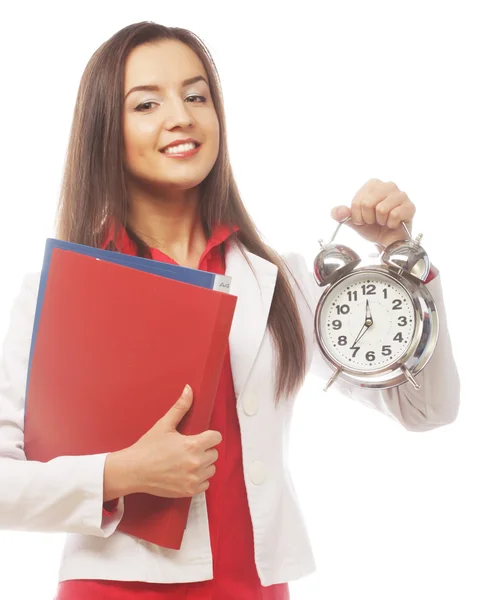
[[179, 185], [182, 181], [151, 182]]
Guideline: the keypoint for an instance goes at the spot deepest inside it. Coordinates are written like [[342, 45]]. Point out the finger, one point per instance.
[[208, 439], [403, 213], [210, 457], [356, 214], [369, 197], [339, 213], [203, 487], [399, 209], [208, 472], [356, 206], [368, 208], [383, 209], [176, 413]]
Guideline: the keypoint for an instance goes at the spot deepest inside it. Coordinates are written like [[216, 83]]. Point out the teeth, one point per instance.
[[179, 149]]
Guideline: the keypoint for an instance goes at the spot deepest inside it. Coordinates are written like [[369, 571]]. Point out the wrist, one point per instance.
[[119, 475]]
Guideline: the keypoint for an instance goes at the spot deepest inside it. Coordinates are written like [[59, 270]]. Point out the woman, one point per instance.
[[148, 173]]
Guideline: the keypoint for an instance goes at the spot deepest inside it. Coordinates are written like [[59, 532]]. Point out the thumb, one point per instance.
[[339, 213], [181, 407]]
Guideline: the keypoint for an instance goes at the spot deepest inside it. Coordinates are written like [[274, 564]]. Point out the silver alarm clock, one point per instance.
[[376, 325]]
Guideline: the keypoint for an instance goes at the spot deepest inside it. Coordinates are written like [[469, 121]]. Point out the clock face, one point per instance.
[[367, 321]]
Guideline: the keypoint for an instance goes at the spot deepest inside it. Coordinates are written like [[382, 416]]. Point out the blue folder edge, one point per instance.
[[203, 279]]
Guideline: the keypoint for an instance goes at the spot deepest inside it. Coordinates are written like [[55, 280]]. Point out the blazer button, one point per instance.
[[251, 406], [257, 472]]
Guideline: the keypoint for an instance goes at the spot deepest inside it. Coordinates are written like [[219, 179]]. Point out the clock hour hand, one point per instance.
[[367, 312]]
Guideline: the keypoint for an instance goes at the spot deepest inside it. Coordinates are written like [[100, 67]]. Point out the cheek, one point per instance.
[[139, 139], [212, 126]]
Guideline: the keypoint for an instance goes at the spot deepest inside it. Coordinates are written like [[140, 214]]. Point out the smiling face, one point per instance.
[[173, 105]]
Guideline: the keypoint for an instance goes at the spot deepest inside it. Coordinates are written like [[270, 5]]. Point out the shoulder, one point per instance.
[[297, 268], [302, 281], [295, 264]]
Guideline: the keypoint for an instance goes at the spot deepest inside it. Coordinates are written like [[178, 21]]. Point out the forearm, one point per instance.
[[119, 475], [63, 495]]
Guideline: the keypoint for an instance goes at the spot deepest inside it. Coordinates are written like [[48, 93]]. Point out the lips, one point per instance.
[[177, 154], [179, 142]]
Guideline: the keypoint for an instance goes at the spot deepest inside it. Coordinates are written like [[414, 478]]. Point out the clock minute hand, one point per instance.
[[367, 324], [361, 333]]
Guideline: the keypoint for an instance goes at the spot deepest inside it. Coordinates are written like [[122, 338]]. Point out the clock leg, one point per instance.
[[410, 377], [332, 379]]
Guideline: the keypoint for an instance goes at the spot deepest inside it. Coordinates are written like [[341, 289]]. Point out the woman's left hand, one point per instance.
[[377, 211]]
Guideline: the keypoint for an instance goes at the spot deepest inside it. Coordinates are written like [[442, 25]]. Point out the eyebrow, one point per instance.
[[156, 88]]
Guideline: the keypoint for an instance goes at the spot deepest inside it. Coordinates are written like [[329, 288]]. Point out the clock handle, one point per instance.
[[406, 230], [338, 227], [410, 237]]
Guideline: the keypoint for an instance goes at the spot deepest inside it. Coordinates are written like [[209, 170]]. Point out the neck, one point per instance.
[[171, 224]]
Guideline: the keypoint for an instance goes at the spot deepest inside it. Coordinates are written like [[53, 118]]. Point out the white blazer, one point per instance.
[[66, 494]]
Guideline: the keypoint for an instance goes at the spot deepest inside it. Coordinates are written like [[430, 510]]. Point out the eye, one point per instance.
[[202, 99], [139, 107]]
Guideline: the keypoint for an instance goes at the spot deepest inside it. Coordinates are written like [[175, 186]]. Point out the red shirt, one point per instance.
[[231, 533]]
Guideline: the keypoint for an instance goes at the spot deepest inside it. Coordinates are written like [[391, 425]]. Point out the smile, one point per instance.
[[182, 150]]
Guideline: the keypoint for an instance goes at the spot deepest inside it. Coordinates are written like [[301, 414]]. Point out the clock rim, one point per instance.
[[421, 347]]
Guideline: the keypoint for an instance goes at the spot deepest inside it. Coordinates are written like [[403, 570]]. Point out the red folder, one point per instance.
[[114, 348]]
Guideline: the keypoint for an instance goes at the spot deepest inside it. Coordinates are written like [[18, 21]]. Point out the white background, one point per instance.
[[320, 97]]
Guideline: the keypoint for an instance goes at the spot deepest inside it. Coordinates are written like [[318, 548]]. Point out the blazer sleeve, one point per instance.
[[437, 401], [64, 494]]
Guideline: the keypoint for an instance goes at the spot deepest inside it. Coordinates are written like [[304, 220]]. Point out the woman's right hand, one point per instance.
[[164, 462]]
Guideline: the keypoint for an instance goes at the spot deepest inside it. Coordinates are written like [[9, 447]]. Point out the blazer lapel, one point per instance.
[[254, 291]]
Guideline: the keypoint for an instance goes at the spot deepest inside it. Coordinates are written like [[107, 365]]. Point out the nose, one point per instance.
[[177, 114]]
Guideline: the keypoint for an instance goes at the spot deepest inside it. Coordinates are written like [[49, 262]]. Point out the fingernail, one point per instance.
[[186, 390]]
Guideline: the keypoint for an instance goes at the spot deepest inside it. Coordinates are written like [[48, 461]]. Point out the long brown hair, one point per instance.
[[94, 193]]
